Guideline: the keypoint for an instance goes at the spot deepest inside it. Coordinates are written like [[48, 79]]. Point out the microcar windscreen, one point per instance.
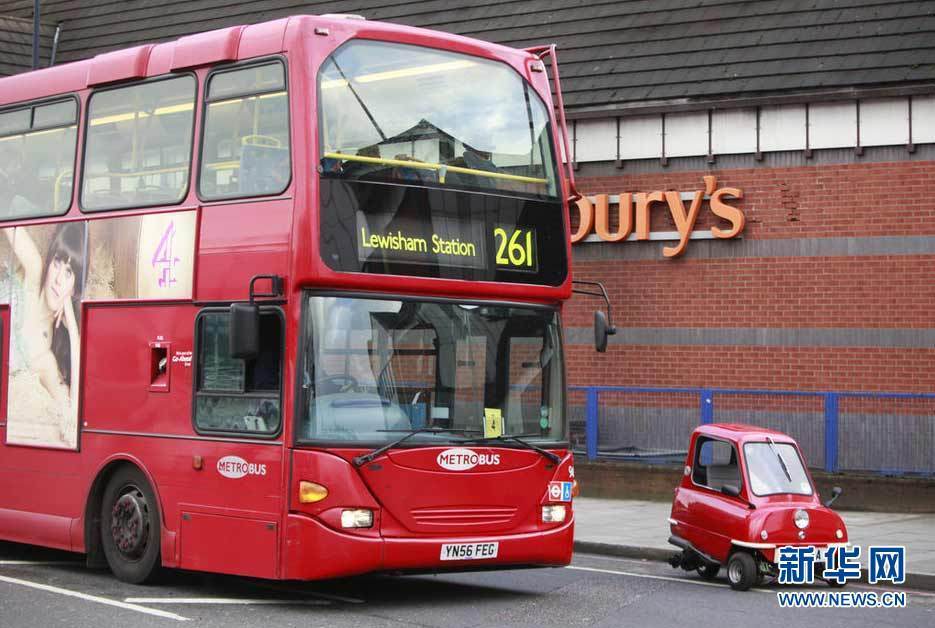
[[776, 468]]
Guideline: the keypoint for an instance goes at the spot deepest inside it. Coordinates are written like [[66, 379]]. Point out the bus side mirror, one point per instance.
[[245, 331], [601, 331]]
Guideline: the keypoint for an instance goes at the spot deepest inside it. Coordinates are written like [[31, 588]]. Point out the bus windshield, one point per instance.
[[401, 113], [374, 368]]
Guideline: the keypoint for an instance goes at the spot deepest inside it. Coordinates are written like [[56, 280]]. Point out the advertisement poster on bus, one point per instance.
[[141, 257], [44, 283], [46, 271]]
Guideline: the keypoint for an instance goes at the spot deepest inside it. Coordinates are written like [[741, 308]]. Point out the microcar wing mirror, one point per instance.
[[835, 493]]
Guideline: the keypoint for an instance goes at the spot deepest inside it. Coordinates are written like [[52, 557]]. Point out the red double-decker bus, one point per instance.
[[283, 301]]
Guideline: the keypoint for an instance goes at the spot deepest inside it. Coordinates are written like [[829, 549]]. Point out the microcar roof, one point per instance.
[[740, 433]]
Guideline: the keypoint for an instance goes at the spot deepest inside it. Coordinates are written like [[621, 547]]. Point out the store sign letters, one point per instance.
[[594, 215]]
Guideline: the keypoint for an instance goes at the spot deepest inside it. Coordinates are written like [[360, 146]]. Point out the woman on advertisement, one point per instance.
[[46, 338]]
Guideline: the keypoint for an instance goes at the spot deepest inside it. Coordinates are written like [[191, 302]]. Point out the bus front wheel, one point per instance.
[[130, 531]]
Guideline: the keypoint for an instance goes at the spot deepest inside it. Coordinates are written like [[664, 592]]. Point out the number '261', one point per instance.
[[514, 249]]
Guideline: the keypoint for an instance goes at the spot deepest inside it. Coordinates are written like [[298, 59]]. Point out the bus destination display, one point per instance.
[[448, 242], [399, 230]]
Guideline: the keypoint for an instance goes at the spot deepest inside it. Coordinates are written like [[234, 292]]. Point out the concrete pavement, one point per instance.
[[639, 529]]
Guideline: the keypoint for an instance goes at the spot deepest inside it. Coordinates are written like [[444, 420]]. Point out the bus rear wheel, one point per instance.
[[130, 531]]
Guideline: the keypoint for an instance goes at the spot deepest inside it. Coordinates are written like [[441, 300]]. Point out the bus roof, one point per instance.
[[224, 45]]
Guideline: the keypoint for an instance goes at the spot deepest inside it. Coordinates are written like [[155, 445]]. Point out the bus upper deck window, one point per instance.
[[37, 159], [245, 151], [139, 145]]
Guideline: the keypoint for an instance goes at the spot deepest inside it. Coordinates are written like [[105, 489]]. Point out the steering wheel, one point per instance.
[[331, 384]]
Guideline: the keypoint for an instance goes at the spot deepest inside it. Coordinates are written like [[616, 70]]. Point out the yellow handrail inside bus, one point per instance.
[[57, 187], [442, 169]]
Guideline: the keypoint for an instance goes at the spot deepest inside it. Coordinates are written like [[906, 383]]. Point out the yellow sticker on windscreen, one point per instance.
[[493, 423]]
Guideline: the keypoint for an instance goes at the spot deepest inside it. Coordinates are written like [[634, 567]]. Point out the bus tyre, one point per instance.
[[130, 531], [741, 571]]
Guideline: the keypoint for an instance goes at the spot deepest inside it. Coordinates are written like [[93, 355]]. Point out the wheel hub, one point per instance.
[[129, 523], [733, 572]]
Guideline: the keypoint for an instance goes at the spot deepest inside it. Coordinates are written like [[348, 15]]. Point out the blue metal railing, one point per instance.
[[891, 433]]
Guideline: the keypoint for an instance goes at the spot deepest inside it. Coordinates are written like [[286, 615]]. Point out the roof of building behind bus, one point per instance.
[[614, 53]]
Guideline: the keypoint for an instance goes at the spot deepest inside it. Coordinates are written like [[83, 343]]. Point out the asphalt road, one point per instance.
[[40, 588]]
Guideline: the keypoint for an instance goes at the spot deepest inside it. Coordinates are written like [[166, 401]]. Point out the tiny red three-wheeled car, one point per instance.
[[745, 492]]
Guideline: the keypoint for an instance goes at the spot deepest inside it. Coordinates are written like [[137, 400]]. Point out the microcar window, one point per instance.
[[776, 468], [715, 464]]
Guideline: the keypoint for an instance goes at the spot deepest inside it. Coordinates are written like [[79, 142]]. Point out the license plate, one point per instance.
[[469, 551]]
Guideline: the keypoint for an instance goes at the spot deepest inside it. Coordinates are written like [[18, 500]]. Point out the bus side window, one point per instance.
[[138, 147], [245, 150], [234, 395], [37, 159]]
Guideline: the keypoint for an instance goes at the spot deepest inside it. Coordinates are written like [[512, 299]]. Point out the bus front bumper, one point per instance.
[[314, 551]]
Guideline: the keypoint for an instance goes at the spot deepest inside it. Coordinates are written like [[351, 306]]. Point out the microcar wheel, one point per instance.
[[709, 572], [130, 531], [741, 571]]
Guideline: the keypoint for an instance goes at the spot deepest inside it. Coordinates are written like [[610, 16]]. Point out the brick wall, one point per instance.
[[850, 320]]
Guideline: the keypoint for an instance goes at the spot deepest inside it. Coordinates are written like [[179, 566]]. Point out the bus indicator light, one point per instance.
[[310, 492]]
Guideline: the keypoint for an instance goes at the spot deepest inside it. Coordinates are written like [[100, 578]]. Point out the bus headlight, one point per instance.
[[553, 514], [310, 492], [359, 518]]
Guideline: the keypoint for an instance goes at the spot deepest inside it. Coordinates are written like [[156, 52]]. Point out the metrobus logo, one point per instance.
[[460, 459], [236, 467]]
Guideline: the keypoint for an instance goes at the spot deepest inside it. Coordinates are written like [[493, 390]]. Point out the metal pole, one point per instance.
[[58, 31], [35, 34], [591, 418]]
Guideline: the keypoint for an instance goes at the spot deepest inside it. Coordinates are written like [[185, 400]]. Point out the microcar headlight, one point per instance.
[[360, 518], [764, 535], [553, 514], [801, 519], [838, 533]]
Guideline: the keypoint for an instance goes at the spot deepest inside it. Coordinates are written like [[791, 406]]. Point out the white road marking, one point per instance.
[[39, 562], [93, 598], [220, 600], [702, 583]]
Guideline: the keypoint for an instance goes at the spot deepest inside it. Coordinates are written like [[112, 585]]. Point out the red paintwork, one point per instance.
[[713, 522], [254, 525]]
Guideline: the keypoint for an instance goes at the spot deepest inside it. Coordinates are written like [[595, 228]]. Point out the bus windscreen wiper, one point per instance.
[[518, 439], [361, 460]]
